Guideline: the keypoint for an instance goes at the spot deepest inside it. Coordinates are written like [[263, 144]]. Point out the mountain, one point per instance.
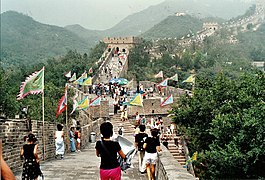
[[92, 36], [138, 23], [174, 27], [26, 41]]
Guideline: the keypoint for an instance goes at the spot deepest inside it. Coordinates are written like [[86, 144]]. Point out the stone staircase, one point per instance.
[[129, 130], [173, 149], [128, 127]]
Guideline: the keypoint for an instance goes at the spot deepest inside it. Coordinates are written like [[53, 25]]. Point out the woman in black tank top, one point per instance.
[[31, 168]]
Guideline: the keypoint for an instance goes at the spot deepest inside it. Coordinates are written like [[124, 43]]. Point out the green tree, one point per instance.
[[225, 122]]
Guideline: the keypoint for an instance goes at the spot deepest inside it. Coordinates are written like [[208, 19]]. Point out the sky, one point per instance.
[[91, 14]]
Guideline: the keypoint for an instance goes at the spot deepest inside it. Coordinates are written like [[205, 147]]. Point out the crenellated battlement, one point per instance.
[[211, 26]]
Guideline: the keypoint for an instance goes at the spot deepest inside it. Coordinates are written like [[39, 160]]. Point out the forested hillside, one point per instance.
[[26, 41], [174, 27], [254, 42], [90, 36], [12, 77]]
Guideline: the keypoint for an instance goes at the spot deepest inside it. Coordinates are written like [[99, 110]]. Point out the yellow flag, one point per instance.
[[87, 82], [81, 79], [137, 101], [84, 104], [190, 79], [194, 156]]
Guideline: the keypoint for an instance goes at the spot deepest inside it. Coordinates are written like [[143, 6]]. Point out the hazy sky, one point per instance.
[[91, 14]]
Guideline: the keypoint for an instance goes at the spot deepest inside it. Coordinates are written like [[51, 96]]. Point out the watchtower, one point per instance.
[[260, 8]]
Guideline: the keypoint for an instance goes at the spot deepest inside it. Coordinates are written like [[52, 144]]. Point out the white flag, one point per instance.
[[68, 74], [160, 74]]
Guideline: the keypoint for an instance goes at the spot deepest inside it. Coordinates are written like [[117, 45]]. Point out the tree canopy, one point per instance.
[[225, 122]]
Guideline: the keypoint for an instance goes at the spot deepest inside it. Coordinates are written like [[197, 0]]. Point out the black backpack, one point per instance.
[[141, 142]]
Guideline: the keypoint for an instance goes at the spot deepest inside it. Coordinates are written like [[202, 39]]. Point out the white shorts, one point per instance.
[[78, 140], [150, 158]]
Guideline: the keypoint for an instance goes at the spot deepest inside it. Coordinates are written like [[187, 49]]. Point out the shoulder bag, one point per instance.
[[123, 163]]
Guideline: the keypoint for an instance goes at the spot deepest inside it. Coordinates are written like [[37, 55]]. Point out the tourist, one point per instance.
[[172, 128], [107, 150], [78, 139], [120, 131], [151, 146], [59, 141], [151, 90], [72, 139], [125, 113], [137, 118], [139, 142], [152, 121], [143, 120], [116, 105], [31, 166]]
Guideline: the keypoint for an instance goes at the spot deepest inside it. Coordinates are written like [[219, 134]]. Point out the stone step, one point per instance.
[[181, 160], [179, 157], [175, 153], [173, 150]]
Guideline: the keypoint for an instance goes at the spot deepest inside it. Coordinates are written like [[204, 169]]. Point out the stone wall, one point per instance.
[[12, 132], [168, 168], [168, 90], [151, 106], [122, 40], [87, 129], [100, 111]]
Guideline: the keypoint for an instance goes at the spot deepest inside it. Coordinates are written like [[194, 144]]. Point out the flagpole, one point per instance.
[[43, 140], [66, 114], [100, 110]]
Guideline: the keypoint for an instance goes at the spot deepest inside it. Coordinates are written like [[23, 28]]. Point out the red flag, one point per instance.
[[62, 104], [90, 71]]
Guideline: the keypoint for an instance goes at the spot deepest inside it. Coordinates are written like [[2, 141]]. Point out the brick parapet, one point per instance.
[[12, 132]]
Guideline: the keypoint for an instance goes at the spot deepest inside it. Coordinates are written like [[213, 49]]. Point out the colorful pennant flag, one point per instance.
[[68, 74], [75, 103], [137, 100], [160, 74], [83, 104], [190, 79], [81, 79], [34, 84], [95, 102], [167, 101], [90, 71], [175, 77], [87, 82], [190, 160], [163, 83], [73, 78], [62, 104]]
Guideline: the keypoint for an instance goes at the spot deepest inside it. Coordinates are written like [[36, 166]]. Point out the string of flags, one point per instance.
[[190, 79], [34, 84]]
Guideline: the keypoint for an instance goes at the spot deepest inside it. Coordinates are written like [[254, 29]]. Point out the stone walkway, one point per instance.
[[83, 165]]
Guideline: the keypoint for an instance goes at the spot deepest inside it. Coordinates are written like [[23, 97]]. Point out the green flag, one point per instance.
[[34, 84]]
